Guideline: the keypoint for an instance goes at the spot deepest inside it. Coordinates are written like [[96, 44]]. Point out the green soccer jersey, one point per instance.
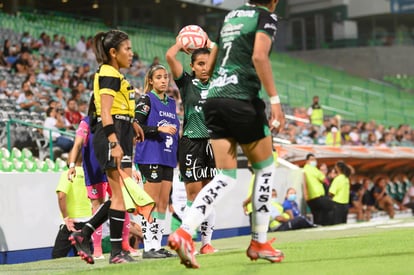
[[193, 94], [234, 75]]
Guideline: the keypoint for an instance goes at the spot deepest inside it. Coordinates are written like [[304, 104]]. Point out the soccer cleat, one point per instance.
[[121, 257], [99, 257], [208, 249], [181, 242], [134, 252], [153, 254], [166, 252], [82, 245], [264, 251]]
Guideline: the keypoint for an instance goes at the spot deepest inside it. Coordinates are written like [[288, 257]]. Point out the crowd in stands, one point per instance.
[[34, 76]]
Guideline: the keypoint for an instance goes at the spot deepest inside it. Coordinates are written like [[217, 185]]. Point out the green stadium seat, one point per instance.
[[19, 166], [27, 154], [41, 165], [16, 154], [60, 165], [31, 165], [6, 165], [4, 153]]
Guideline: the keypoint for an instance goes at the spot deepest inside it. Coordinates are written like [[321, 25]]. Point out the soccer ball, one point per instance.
[[192, 37]]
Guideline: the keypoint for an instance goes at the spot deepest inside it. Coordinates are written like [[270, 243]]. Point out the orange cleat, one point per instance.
[[208, 249], [182, 243], [264, 251]]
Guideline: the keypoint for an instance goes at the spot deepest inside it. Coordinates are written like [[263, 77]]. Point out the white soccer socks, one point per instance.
[[208, 197], [262, 191]]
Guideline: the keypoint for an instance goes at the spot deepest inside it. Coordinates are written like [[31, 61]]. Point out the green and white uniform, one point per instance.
[[195, 154], [233, 108], [234, 75]]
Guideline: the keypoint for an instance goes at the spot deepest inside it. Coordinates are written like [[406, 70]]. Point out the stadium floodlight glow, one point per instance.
[[95, 5], [65, 1]]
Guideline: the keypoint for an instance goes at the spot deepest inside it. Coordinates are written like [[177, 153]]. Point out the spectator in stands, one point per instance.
[[333, 135], [24, 63], [74, 206], [382, 200], [6, 48], [83, 108], [55, 41], [57, 62], [63, 44], [26, 100], [138, 67], [26, 42], [339, 192], [3, 61], [155, 61], [72, 115], [75, 94], [4, 90], [315, 112], [354, 136], [53, 122], [34, 86], [371, 140], [80, 45], [314, 192], [43, 76], [54, 76], [65, 79], [59, 97]]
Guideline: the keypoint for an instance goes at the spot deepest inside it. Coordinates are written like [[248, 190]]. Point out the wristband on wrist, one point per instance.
[[109, 129], [212, 45], [71, 165], [275, 99]]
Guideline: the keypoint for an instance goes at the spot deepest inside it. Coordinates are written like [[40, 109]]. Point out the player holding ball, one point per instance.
[[195, 154]]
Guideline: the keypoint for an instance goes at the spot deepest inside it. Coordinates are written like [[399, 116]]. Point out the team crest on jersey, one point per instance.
[[168, 141], [188, 173], [154, 174], [94, 191]]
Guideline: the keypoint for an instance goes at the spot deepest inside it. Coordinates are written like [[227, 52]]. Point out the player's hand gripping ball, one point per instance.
[[192, 37]]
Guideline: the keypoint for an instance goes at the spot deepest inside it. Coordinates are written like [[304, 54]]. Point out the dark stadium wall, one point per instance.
[[367, 62]]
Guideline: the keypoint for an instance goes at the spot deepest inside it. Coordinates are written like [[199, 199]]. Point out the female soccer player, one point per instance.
[[235, 115], [156, 157], [195, 155]]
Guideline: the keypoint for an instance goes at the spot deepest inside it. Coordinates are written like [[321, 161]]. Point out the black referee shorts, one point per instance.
[[124, 133]]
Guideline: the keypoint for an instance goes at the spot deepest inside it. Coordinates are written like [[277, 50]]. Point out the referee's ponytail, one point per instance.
[[104, 41]]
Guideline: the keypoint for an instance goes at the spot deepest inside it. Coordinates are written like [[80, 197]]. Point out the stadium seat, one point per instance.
[[41, 165], [27, 154], [31, 165], [60, 165], [16, 154], [6, 165], [50, 164], [19, 166], [4, 153]]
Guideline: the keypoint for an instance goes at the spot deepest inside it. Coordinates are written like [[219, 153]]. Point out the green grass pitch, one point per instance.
[[385, 247]]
